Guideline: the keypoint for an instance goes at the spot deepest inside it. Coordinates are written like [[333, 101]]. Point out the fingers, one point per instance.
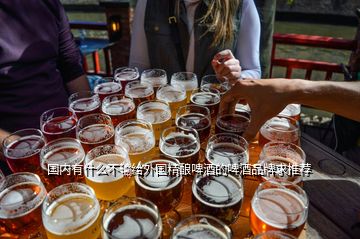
[[228, 102], [223, 56], [255, 124]]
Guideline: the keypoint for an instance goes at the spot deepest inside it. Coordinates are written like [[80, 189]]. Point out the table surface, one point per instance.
[[333, 190]]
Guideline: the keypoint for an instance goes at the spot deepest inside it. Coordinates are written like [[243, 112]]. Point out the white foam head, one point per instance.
[[138, 139], [96, 133], [197, 231], [220, 156], [179, 151]]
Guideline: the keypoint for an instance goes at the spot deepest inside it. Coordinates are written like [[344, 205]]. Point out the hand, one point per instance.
[[266, 99], [226, 66]]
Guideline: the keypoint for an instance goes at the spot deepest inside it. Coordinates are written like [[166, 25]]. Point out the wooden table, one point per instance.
[[333, 190]]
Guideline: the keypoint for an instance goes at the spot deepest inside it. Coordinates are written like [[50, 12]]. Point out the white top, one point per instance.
[[247, 49]]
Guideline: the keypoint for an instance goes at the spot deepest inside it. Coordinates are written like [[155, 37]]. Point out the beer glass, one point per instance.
[[22, 150], [163, 185], [227, 149], [84, 103], [231, 123], [119, 108], [174, 95], [58, 123], [182, 144], [131, 218], [157, 113], [195, 117], [20, 206], [280, 155], [107, 86], [71, 211], [139, 92], [207, 98], [154, 77], [292, 111], [58, 159], [243, 110], [95, 130], [124, 75], [274, 235], [138, 137], [281, 129], [201, 226], [210, 82], [218, 196], [105, 168], [188, 80], [278, 207]]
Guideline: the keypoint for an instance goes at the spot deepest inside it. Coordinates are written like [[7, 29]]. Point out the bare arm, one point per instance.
[[268, 97], [78, 84]]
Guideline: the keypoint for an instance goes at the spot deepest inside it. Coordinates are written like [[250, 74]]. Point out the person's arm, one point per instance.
[[269, 97], [139, 55]]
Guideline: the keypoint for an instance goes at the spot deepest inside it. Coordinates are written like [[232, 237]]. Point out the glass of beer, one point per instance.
[[227, 149], [201, 226], [231, 123], [218, 196], [274, 235], [182, 144], [157, 113], [131, 218], [162, 184], [207, 98], [278, 207], [58, 160], [22, 150], [105, 168], [188, 80], [154, 77], [174, 95], [119, 108], [71, 211], [281, 155], [138, 137], [95, 130], [243, 110], [139, 92], [281, 129], [211, 82], [84, 103], [292, 111], [58, 123], [124, 75], [20, 206], [195, 117], [107, 86]]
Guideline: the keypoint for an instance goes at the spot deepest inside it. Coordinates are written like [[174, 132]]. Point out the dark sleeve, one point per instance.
[[70, 60]]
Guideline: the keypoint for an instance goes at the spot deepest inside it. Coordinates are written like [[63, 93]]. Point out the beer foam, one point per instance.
[[107, 173], [138, 139], [193, 120], [96, 133], [107, 87], [170, 95], [24, 147], [155, 81], [154, 116], [64, 155], [197, 231], [282, 152], [279, 129], [139, 92], [70, 214], [85, 104], [227, 153], [203, 98], [179, 150], [119, 107], [188, 85], [133, 228], [281, 175], [279, 208], [220, 191]]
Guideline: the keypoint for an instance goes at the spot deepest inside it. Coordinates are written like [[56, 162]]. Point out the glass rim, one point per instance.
[[186, 73], [237, 137], [175, 86], [201, 92], [157, 104], [286, 145], [81, 94], [105, 146], [291, 120], [128, 122], [137, 201], [107, 101], [162, 71], [135, 83], [122, 68], [190, 130], [220, 121], [208, 115], [88, 116], [272, 233], [72, 116]]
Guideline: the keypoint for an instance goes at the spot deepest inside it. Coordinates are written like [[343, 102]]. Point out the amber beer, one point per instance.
[[131, 218], [71, 211], [84, 103], [181, 144], [219, 196], [124, 75], [195, 117], [119, 108], [20, 206], [95, 130], [274, 235], [139, 92], [281, 129], [66, 152], [157, 113], [208, 99], [22, 150], [174, 95], [154, 77], [292, 111], [107, 87], [138, 137], [58, 123], [231, 123], [201, 226], [278, 207], [105, 168], [186, 79]]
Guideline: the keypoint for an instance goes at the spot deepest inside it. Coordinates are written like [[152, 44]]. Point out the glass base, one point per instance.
[[169, 221]]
